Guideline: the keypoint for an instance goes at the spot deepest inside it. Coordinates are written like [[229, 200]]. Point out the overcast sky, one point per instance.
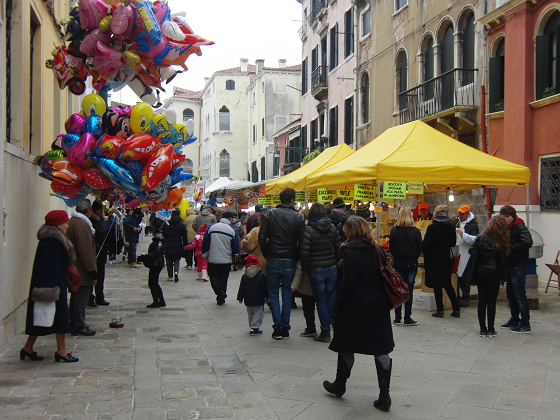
[[250, 29]]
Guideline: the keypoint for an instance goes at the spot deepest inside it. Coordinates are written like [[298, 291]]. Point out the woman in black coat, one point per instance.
[[439, 239], [54, 255], [362, 321], [175, 234]]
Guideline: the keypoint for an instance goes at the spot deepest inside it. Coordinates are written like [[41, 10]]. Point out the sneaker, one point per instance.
[[521, 329], [397, 322], [308, 333], [255, 332], [189, 267], [285, 332], [483, 333], [176, 278], [277, 333], [410, 322], [510, 324], [492, 333], [169, 278]]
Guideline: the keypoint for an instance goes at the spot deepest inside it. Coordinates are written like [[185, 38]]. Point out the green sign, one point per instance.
[[365, 192], [300, 196], [394, 190], [264, 200], [274, 200], [312, 196], [326, 195], [415, 187], [346, 195]]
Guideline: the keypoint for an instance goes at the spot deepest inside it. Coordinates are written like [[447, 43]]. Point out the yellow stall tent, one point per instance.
[[418, 152], [297, 178]]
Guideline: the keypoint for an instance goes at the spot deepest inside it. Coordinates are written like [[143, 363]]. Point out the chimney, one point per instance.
[[260, 65], [244, 62], [281, 62]]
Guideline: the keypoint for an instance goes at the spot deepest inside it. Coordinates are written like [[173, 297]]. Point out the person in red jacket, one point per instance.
[[196, 244]]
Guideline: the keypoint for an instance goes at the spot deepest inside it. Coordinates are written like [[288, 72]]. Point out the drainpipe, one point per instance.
[[483, 110], [356, 75]]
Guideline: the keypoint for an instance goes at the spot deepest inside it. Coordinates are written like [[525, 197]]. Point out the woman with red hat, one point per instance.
[[54, 255]]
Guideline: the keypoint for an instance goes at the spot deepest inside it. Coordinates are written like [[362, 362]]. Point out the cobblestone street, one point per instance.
[[196, 360]]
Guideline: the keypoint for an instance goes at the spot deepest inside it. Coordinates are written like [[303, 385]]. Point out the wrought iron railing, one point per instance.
[[319, 78], [454, 88], [317, 7]]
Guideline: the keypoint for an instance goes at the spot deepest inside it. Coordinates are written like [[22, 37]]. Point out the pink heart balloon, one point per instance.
[[75, 124], [81, 152]]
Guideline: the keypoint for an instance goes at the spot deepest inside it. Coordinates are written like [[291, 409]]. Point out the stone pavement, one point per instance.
[[196, 360]]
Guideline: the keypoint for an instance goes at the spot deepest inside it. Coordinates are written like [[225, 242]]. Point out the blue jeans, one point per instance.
[[132, 252], [280, 271], [515, 291], [408, 273], [323, 280]]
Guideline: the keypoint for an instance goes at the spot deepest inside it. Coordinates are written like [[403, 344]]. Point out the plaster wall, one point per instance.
[[191, 150]]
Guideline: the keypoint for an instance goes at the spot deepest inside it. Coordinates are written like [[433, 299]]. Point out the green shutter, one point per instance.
[[496, 82], [542, 65]]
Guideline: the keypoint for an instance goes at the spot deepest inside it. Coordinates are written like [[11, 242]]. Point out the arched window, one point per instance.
[[188, 114], [188, 166], [468, 51], [230, 84], [447, 60], [224, 163], [428, 70], [496, 79], [224, 119], [364, 96], [546, 64], [402, 82]]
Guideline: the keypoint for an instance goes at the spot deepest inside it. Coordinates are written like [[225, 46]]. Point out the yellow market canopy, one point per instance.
[[297, 178], [418, 152]]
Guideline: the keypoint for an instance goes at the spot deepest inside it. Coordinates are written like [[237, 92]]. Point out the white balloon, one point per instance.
[[189, 125]]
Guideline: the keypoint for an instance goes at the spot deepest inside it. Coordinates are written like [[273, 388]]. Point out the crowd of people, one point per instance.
[[327, 255]]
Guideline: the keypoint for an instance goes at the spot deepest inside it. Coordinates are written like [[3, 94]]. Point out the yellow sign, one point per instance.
[[365, 192], [312, 196], [326, 195], [346, 195], [300, 196], [264, 200], [415, 187], [394, 190], [274, 200]]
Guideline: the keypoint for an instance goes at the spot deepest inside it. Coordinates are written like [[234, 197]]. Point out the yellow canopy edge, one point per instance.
[[297, 178], [418, 152]]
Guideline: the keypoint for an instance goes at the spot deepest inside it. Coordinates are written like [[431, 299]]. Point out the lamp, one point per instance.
[[451, 195], [276, 153]]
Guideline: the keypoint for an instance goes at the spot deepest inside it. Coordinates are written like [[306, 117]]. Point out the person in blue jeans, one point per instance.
[[279, 238], [320, 252], [520, 241], [405, 244]]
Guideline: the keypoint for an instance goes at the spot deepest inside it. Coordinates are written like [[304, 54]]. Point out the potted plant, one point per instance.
[[316, 144], [549, 91], [499, 106], [324, 140]]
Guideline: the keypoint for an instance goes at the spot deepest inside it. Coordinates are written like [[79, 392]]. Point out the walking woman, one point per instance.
[[320, 252], [405, 243], [175, 234], [439, 239], [362, 319], [54, 255], [491, 267]]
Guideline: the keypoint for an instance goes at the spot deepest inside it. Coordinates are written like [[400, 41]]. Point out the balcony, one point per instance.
[[302, 32], [453, 90], [317, 9], [319, 86]]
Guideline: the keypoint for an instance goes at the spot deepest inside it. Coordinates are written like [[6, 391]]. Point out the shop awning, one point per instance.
[[218, 184], [297, 179], [418, 152]]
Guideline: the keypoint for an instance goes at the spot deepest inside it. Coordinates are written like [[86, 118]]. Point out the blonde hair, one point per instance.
[[442, 208], [356, 226], [405, 218]]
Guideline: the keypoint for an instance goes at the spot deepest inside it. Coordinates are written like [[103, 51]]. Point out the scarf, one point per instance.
[[356, 242], [442, 217], [85, 219]]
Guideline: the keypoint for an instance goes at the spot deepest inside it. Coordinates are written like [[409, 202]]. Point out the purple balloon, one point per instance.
[[80, 153], [75, 124]]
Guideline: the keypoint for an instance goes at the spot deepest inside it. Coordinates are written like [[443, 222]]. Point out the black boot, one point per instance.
[[338, 387], [161, 299], [384, 379], [155, 303]]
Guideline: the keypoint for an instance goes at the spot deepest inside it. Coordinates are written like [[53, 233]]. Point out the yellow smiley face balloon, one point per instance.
[[140, 117], [93, 104]]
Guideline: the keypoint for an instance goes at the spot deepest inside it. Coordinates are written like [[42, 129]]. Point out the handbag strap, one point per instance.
[[381, 257]]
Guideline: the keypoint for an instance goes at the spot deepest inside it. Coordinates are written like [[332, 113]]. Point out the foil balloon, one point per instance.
[[177, 175], [178, 54], [109, 146], [72, 200], [140, 117], [119, 175], [91, 12], [177, 160], [65, 189], [90, 41], [178, 133], [135, 167], [107, 61], [65, 172], [148, 32], [80, 153], [183, 206], [75, 124], [159, 192], [139, 146], [96, 179], [122, 23], [68, 141], [159, 126], [93, 104], [198, 195], [174, 197], [93, 125], [157, 167], [116, 122]]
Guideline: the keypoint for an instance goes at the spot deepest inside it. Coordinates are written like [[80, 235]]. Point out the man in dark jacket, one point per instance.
[[521, 240], [101, 243], [132, 235], [279, 239], [253, 220]]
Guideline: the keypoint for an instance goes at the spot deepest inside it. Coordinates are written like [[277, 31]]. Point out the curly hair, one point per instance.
[[497, 230]]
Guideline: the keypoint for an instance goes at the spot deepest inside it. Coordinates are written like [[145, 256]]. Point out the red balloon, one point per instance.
[[96, 179], [157, 167], [139, 146], [178, 159], [65, 189], [109, 146]]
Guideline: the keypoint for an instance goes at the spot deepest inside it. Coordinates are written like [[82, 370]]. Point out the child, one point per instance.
[[253, 289], [196, 244], [155, 262]]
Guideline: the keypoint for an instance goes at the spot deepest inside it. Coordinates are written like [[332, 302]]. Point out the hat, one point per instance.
[[163, 215], [338, 203], [423, 206], [337, 213], [464, 209], [251, 259], [259, 208], [56, 217], [206, 206], [227, 214], [363, 211], [203, 228], [96, 205], [137, 211]]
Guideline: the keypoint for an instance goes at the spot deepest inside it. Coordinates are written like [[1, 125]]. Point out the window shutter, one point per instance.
[[496, 81], [542, 65]]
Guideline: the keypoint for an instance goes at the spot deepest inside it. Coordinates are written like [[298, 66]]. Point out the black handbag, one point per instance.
[[469, 275]]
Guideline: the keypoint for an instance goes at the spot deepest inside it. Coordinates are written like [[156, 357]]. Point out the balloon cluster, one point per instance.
[[126, 155], [121, 43]]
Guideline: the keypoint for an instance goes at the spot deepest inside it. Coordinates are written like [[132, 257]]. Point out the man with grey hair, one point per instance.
[[81, 234]]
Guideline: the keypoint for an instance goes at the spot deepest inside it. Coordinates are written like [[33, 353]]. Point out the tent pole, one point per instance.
[[306, 200], [528, 215], [378, 217]]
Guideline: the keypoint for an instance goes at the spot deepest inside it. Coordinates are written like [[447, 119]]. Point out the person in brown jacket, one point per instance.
[[80, 233], [250, 244]]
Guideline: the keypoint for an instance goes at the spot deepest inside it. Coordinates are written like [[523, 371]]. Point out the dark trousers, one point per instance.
[[488, 284], [99, 286], [189, 257], [438, 293], [308, 304], [219, 274], [77, 307], [173, 263], [132, 252], [153, 284], [465, 289], [516, 295]]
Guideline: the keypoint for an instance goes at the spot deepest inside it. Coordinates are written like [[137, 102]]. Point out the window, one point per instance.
[[230, 84], [333, 126], [254, 98], [349, 121], [315, 58], [254, 172], [304, 137], [224, 119], [550, 184], [447, 62], [334, 47], [366, 22], [262, 127], [314, 134], [304, 77], [188, 114], [399, 4], [348, 32], [263, 168], [224, 163], [188, 166], [364, 98], [428, 52], [546, 63], [402, 79], [254, 133], [468, 51], [496, 78]]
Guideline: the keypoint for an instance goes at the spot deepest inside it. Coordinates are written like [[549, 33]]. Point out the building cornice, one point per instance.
[[497, 15]]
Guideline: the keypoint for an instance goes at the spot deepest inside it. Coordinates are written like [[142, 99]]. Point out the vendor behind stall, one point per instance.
[[424, 218]]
